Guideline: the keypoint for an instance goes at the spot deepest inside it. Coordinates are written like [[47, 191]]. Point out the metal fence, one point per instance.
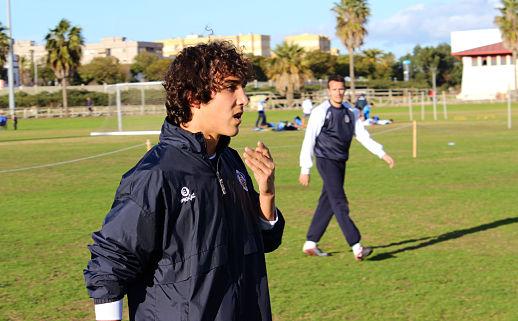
[[149, 98]]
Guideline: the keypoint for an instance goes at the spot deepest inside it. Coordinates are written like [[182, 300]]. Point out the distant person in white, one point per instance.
[[261, 115], [307, 106], [328, 137]]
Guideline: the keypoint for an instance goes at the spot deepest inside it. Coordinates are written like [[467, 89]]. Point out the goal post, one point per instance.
[[132, 99]]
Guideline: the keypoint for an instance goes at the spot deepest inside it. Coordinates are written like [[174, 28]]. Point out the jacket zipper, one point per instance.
[[220, 180]]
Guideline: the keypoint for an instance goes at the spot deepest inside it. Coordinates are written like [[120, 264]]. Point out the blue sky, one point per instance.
[[395, 26]]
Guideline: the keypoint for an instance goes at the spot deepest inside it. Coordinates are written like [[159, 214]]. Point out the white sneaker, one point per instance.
[[362, 253], [311, 249]]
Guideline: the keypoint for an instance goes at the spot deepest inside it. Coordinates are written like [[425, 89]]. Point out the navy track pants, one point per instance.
[[332, 200]]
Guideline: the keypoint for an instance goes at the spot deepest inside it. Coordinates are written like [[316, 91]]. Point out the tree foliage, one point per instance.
[[321, 64], [259, 65], [288, 69], [64, 52], [351, 18], [157, 70], [508, 24], [24, 68], [427, 60], [375, 64], [141, 62], [102, 70], [4, 46]]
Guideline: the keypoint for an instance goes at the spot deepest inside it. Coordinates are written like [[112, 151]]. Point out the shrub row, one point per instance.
[[55, 99]]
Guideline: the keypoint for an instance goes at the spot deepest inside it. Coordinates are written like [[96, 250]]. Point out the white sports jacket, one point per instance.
[[315, 123]]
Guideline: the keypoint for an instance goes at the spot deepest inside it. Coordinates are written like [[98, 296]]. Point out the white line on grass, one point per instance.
[[138, 145], [69, 161]]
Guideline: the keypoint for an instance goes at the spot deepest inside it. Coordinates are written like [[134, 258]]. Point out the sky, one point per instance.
[[396, 26]]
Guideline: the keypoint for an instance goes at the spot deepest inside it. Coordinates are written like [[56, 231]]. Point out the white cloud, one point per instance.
[[429, 24]]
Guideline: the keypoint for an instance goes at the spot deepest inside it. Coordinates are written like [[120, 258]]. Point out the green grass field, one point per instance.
[[444, 225]]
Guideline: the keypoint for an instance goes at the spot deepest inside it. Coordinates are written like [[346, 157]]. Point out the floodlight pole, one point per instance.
[[434, 96], [422, 105], [410, 107], [119, 107], [10, 61], [35, 67]]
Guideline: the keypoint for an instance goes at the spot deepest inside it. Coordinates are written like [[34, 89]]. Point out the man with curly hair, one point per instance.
[[186, 235]]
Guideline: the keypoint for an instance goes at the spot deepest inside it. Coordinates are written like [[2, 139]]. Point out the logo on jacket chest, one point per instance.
[[241, 179], [186, 195]]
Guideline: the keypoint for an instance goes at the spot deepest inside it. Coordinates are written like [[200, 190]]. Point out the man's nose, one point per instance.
[[242, 97]]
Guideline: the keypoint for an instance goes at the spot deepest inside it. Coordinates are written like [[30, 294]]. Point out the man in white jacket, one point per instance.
[[328, 137]]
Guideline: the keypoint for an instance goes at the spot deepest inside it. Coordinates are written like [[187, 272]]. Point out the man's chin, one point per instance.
[[233, 132]]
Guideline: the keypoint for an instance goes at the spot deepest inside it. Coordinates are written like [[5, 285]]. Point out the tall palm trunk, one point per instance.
[[351, 70], [65, 100], [290, 93]]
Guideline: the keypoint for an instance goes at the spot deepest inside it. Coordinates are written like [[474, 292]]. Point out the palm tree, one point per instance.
[[351, 17], [288, 69], [4, 46], [22, 67], [508, 24], [371, 58], [64, 51]]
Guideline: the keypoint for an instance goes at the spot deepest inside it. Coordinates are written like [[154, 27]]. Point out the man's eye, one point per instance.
[[232, 88]]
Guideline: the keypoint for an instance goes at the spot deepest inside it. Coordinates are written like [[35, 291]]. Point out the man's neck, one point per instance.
[[334, 104], [211, 140], [212, 143]]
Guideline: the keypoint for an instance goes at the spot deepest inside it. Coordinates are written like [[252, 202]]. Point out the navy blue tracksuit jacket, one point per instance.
[[182, 239]]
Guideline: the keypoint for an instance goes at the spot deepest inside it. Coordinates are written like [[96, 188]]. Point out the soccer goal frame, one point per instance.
[[118, 103]]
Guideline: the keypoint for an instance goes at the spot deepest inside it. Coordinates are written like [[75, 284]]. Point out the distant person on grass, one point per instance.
[[261, 114], [90, 105], [328, 137], [361, 102], [307, 106], [367, 111], [186, 235]]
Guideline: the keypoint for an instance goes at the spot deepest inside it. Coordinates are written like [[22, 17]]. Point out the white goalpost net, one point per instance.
[[133, 99]]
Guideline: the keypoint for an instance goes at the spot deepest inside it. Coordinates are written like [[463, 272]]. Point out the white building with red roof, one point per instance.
[[488, 71]]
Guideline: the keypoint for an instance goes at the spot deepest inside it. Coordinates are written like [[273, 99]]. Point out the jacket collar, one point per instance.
[[345, 104], [172, 134]]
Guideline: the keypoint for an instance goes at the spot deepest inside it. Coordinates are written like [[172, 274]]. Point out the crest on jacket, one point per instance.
[[241, 179]]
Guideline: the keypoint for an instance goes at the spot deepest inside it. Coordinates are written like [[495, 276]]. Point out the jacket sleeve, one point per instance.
[[363, 137], [272, 238], [123, 247], [315, 123]]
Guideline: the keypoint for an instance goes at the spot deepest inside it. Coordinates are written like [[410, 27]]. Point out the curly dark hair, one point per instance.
[[199, 71]]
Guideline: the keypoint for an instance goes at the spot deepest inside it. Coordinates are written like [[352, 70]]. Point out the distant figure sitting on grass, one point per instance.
[[377, 121], [286, 125], [3, 121]]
